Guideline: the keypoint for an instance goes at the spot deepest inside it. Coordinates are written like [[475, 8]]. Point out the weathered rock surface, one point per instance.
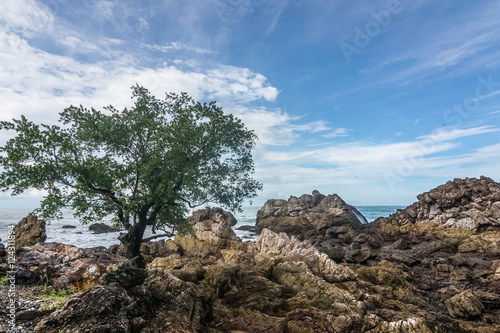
[[29, 231], [63, 266], [98, 309], [468, 203], [410, 272], [212, 231], [308, 215]]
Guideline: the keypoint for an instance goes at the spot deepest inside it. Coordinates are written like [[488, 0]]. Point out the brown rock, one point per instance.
[[468, 203], [99, 309], [64, 266], [465, 305], [308, 215], [212, 232], [102, 228], [283, 248], [29, 231]]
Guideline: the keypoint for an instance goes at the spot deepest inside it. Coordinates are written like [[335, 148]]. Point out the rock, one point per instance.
[[359, 255], [465, 305], [124, 274], [171, 304], [63, 266], [308, 215], [280, 247], [468, 203], [98, 309], [68, 226], [29, 231], [102, 228], [3, 251], [407, 273], [458, 260], [248, 228], [404, 258], [212, 232]]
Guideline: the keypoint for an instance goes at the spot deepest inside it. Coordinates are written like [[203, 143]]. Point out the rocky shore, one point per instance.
[[316, 267]]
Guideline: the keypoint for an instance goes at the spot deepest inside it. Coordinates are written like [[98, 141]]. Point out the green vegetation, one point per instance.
[[3, 280], [147, 165], [54, 298]]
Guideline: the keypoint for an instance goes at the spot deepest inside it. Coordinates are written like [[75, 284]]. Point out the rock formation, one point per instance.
[[410, 272], [308, 215], [212, 232], [468, 203], [63, 266], [29, 231]]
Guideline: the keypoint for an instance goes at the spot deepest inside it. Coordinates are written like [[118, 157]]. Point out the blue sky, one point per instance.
[[376, 101]]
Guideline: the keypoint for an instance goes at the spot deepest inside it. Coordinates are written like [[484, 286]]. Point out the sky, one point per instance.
[[376, 101]]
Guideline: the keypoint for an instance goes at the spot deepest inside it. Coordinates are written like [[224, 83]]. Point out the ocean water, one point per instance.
[[82, 237]]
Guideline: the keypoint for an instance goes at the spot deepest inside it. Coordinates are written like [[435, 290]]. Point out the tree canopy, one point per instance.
[[146, 165]]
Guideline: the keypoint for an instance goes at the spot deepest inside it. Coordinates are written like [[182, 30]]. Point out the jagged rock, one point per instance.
[[407, 273], [171, 304], [64, 266], [102, 228], [124, 274], [98, 309], [212, 231], [29, 231], [468, 203], [359, 255], [308, 215], [465, 305], [280, 247]]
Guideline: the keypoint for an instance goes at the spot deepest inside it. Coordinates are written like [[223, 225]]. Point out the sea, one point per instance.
[[79, 235]]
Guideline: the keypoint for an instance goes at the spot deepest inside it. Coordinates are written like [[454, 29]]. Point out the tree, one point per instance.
[[146, 165]]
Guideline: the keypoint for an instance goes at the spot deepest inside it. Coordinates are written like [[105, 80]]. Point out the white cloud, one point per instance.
[[25, 17], [338, 132], [40, 83], [176, 46], [447, 135]]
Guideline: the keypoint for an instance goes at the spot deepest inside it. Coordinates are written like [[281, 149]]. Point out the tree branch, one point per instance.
[[157, 236]]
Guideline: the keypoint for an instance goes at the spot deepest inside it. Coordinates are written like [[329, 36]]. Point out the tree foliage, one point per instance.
[[146, 165]]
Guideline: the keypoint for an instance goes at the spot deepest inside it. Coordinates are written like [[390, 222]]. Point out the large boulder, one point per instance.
[[282, 248], [64, 266], [98, 309], [29, 231], [308, 215], [211, 232]]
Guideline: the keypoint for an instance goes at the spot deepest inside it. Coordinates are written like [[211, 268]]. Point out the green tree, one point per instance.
[[146, 165]]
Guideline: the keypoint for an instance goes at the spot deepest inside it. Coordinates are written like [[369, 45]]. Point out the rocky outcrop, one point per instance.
[[211, 232], [63, 266], [281, 248], [29, 231], [418, 275], [98, 309], [308, 215], [468, 203]]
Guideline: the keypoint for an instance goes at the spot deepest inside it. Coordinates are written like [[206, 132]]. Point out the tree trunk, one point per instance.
[[132, 243]]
